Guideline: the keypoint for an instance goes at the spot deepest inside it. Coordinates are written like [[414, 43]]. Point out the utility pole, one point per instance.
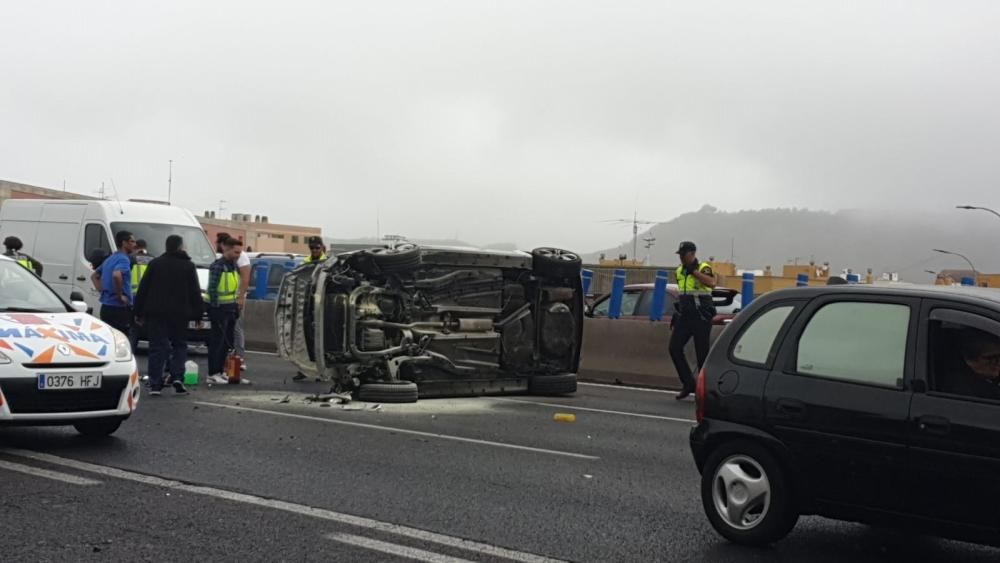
[[170, 180]]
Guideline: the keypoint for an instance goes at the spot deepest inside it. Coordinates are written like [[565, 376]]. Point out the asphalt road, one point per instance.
[[257, 473]]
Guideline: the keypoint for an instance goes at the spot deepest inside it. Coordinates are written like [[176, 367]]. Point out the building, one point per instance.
[[259, 234], [14, 190]]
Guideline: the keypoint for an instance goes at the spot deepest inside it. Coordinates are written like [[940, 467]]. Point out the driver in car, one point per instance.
[[981, 353]]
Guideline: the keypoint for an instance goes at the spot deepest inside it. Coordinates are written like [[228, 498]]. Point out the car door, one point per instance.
[[838, 397], [955, 424], [95, 239]]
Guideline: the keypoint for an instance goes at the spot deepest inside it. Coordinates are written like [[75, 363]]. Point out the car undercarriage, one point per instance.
[[392, 324]]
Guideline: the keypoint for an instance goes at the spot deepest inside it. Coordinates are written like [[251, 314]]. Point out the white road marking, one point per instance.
[[258, 352], [394, 549], [602, 411], [626, 387], [54, 475], [301, 509], [403, 431]]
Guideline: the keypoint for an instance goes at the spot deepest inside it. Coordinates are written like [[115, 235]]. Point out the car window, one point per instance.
[[275, 274], [629, 301], [964, 360], [645, 305], [755, 342], [22, 292], [856, 341]]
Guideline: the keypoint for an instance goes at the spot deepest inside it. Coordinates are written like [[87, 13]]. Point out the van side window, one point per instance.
[[856, 341], [95, 239], [755, 343], [964, 360]]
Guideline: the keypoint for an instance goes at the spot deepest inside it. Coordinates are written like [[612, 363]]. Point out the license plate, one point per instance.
[[200, 325], [61, 381]]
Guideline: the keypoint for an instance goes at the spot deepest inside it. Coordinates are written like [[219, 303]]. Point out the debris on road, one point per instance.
[[339, 398], [564, 417], [376, 407]]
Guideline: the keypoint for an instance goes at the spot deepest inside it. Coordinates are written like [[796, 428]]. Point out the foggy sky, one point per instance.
[[527, 122]]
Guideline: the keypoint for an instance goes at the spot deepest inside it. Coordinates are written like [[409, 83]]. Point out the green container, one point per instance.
[[190, 373]]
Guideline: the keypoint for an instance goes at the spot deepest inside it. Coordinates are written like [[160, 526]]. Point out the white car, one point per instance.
[[59, 365]]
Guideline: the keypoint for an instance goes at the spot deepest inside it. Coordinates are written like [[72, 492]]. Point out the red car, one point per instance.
[[638, 301]]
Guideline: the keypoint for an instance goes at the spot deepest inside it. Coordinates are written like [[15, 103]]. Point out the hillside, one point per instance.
[[885, 241]]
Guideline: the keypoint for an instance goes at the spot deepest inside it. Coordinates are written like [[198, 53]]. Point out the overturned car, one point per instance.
[[394, 324]]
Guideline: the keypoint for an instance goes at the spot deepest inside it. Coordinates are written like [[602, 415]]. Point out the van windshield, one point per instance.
[[155, 235]]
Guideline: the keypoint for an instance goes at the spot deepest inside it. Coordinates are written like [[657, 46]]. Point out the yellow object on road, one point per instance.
[[564, 417]]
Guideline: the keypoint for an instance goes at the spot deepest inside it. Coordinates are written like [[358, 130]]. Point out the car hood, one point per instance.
[[55, 338]]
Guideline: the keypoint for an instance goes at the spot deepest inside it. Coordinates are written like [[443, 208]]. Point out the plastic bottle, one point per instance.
[[190, 373]]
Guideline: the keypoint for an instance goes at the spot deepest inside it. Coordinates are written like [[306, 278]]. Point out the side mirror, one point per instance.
[[80, 306]]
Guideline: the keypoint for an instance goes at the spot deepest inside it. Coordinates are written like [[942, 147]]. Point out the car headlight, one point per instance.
[[123, 348], [4, 359]]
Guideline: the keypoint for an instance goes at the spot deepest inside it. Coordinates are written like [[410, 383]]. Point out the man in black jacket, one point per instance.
[[169, 296]]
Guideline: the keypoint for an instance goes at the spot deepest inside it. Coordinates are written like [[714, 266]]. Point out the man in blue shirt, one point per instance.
[[115, 278]]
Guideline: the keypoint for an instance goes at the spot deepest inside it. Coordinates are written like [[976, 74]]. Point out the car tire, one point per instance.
[[401, 258], [398, 392], [98, 427], [749, 469], [556, 263], [564, 384]]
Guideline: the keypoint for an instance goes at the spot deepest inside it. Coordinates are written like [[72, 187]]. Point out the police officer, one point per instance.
[[693, 314], [317, 254], [14, 246]]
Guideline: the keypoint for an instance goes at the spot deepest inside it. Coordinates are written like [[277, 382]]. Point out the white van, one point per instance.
[[63, 235]]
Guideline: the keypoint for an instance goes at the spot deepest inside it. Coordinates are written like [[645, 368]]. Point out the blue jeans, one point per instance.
[[167, 344]]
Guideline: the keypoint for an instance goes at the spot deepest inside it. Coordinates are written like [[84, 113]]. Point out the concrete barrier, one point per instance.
[[631, 352], [624, 351], [258, 325]]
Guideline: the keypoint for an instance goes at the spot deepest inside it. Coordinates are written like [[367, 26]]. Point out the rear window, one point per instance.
[[755, 343], [857, 342]]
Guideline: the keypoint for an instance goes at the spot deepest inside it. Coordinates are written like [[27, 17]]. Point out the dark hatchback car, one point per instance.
[[871, 404]]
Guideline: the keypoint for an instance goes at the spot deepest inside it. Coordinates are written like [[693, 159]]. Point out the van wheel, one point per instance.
[[98, 427], [746, 495]]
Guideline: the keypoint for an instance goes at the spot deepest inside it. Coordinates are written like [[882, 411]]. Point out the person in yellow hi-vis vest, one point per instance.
[[693, 314], [317, 254], [13, 246], [222, 299]]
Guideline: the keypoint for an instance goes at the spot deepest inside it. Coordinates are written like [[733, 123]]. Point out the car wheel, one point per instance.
[[398, 392], [401, 258], [556, 263], [98, 427], [746, 495], [564, 384]]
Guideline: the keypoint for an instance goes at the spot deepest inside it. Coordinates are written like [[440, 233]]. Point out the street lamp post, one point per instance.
[[975, 273], [975, 207]]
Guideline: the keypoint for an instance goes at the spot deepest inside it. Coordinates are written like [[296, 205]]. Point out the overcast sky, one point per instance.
[[526, 122]]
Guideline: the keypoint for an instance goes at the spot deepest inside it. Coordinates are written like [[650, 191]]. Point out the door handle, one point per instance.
[[81, 278], [790, 407], [934, 425], [63, 277]]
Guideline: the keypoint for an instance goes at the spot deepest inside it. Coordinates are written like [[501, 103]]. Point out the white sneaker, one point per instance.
[[245, 381], [218, 379]]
